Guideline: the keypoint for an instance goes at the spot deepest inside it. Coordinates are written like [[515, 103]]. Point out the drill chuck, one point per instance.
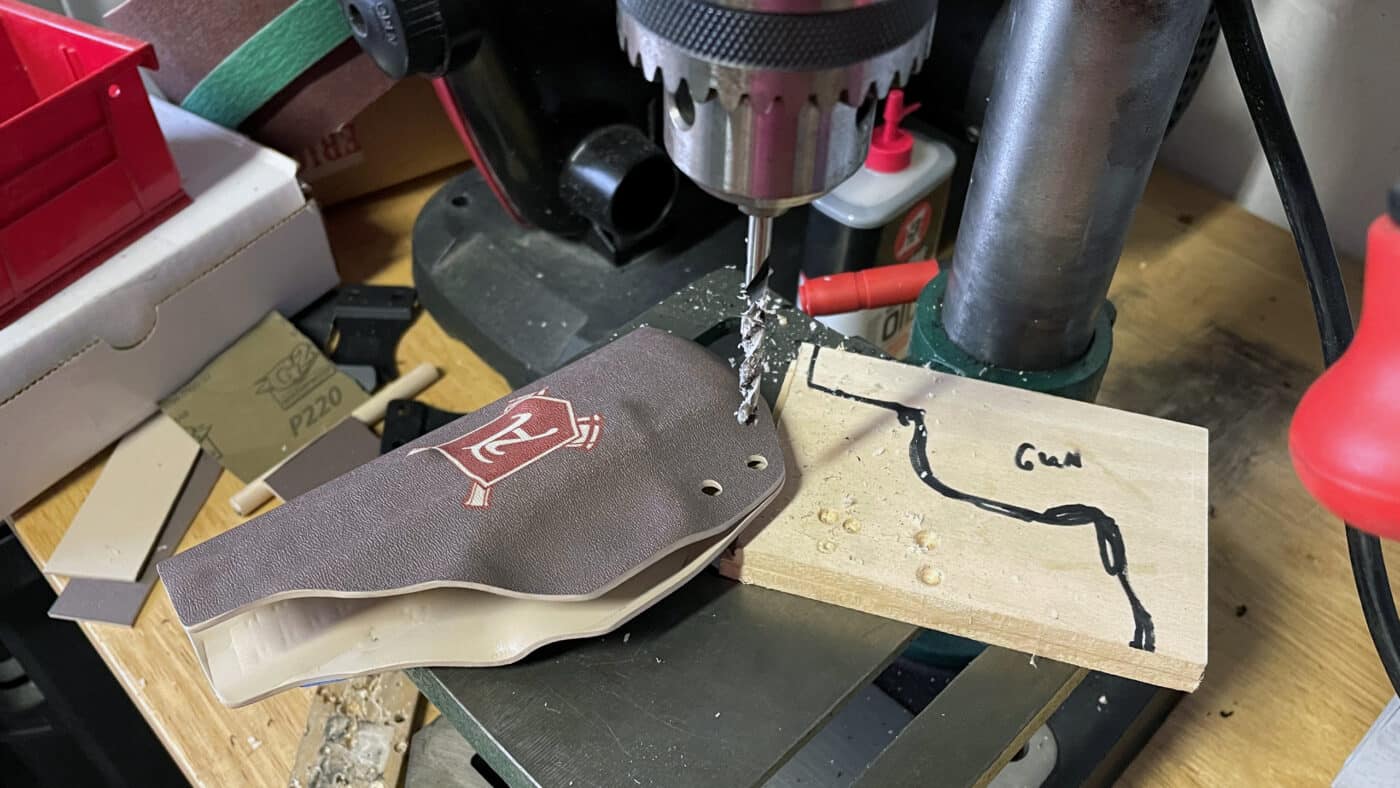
[[770, 103]]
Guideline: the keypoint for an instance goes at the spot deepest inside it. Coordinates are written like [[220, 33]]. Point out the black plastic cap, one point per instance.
[[620, 180], [403, 36], [1393, 203]]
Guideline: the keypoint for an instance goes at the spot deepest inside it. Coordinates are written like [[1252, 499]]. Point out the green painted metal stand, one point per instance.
[[930, 346]]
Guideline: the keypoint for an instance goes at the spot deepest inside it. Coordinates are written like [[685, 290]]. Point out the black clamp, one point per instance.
[[407, 420], [362, 326]]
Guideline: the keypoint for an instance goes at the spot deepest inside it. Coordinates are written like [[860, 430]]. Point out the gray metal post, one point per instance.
[[1079, 109]]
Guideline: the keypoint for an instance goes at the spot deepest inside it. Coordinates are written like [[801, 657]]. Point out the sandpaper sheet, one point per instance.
[[116, 602], [121, 518], [342, 448], [192, 38], [268, 395]]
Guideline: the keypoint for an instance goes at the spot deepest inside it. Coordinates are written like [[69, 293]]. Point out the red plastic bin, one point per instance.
[[84, 169]]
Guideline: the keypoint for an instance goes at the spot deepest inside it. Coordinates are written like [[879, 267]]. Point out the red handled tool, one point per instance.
[[1345, 438], [872, 288]]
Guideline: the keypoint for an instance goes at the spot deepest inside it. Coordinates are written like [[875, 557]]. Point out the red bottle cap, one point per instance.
[[1345, 438], [892, 147]]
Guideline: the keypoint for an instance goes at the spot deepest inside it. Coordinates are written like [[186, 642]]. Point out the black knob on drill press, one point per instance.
[[414, 36]]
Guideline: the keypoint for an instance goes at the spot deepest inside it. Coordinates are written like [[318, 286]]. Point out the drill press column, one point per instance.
[[1079, 108]]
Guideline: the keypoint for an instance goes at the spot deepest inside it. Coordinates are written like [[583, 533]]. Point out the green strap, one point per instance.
[[268, 62]]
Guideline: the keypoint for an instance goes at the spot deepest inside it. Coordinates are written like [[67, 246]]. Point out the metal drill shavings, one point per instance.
[[752, 332], [752, 323]]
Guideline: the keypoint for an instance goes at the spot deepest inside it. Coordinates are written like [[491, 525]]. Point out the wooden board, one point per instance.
[[122, 516], [1057, 528]]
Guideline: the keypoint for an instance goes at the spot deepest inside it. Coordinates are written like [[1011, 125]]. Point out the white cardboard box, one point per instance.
[[89, 364]]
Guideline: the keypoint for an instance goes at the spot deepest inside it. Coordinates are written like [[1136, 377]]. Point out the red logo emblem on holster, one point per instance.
[[530, 428]]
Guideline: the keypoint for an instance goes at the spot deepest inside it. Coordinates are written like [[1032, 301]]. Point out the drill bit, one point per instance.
[[752, 324]]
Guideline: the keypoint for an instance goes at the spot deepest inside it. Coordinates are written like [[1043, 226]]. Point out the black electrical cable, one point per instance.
[[1377, 602], [1256, 76], [1266, 107]]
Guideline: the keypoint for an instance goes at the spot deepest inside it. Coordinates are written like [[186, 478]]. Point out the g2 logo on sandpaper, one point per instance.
[[293, 376], [531, 428]]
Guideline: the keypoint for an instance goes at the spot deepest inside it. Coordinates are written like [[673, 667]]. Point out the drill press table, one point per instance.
[[720, 685]]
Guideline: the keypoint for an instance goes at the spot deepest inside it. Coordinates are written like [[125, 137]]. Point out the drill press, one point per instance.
[[769, 104]]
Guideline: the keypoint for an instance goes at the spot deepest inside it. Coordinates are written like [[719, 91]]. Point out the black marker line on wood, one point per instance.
[[1021, 461], [1072, 459], [1112, 554]]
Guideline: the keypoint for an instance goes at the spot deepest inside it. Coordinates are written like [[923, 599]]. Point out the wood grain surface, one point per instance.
[[1214, 329], [1091, 551]]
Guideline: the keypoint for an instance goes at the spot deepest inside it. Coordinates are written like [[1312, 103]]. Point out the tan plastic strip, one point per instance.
[[122, 516]]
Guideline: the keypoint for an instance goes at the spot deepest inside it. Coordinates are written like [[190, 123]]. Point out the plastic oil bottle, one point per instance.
[[889, 211]]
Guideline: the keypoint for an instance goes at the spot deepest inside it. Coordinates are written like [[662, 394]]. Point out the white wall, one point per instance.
[[1338, 62]]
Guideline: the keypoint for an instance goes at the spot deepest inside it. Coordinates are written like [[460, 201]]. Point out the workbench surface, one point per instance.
[[1214, 329]]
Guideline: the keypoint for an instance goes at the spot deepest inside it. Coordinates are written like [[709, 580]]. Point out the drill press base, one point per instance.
[[528, 301]]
